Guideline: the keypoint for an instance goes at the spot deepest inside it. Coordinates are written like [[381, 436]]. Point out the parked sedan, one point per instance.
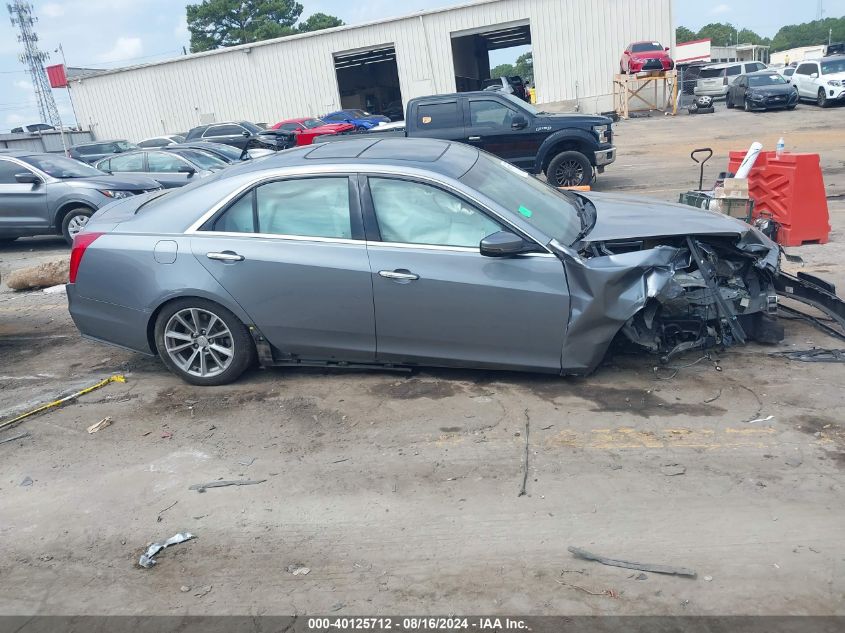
[[95, 151], [50, 194], [761, 91], [306, 130], [376, 252], [360, 119], [235, 133], [161, 141], [171, 168]]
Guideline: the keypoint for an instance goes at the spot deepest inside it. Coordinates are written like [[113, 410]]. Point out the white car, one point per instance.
[[786, 72], [162, 141], [822, 80]]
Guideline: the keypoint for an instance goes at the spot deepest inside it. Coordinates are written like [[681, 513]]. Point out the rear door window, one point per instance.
[[307, 207], [128, 162], [805, 69], [437, 116]]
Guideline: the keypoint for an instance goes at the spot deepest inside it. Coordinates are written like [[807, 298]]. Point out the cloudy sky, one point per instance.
[[108, 33]]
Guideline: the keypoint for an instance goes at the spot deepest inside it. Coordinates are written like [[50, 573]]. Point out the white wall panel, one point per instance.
[[574, 41]]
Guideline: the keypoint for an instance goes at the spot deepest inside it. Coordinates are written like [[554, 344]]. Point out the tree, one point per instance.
[[524, 67], [319, 21], [809, 33], [502, 70], [216, 23], [683, 34], [718, 33]]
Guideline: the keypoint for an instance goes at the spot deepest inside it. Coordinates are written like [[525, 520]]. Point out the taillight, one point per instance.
[[80, 243]]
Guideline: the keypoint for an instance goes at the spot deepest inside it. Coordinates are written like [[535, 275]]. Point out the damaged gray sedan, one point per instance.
[[411, 252]]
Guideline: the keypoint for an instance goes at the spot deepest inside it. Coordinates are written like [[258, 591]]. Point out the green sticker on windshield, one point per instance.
[[526, 211]]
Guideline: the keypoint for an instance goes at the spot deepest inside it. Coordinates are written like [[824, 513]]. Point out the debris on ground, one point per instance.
[[55, 290], [657, 569], [17, 437], [27, 481], [184, 588], [99, 426], [708, 578], [298, 569], [522, 490], [203, 591], [814, 355], [160, 512], [62, 400], [610, 593], [671, 470], [167, 435], [223, 484], [794, 461], [147, 559], [246, 461], [41, 276], [642, 577], [714, 398], [766, 419]]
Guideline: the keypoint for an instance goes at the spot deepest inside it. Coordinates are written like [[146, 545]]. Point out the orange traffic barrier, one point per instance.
[[790, 190]]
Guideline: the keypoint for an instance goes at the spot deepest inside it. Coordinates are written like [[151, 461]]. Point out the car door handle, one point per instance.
[[474, 138], [399, 275], [225, 256]]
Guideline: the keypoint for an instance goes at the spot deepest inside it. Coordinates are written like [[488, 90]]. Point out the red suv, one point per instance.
[[645, 56]]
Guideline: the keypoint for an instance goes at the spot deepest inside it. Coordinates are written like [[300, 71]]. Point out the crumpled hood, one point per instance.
[[621, 217], [118, 183], [771, 91]]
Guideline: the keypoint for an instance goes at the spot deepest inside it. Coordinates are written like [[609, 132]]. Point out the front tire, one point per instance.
[[569, 169], [747, 105], [74, 222], [202, 342], [822, 99], [728, 103]]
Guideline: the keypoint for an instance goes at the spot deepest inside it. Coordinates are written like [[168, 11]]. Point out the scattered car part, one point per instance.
[[815, 355], [147, 559], [61, 401], [223, 484], [815, 292], [99, 426], [657, 569]]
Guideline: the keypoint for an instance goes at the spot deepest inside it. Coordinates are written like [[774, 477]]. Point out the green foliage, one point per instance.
[[502, 70], [809, 33], [216, 23], [719, 34], [319, 21], [525, 67], [683, 34]]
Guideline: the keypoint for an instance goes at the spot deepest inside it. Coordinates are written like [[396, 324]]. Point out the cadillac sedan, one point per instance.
[[384, 252]]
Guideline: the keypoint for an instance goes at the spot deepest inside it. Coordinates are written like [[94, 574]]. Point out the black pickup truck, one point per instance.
[[565, 147]]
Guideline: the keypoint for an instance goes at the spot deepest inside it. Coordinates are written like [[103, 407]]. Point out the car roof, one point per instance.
[[111, 140]]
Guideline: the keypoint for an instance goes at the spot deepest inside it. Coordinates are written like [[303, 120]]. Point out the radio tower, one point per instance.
[[820, 10], [33, 58]]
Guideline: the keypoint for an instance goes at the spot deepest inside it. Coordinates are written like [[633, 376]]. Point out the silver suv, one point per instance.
[[714, 80], [44, 194]]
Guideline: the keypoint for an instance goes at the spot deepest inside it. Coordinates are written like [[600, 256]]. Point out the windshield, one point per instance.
[[643, 47], [61, 167], [833, 66], [766, 80], [710, 73], [534, 201], [312, 123], [202, 160]]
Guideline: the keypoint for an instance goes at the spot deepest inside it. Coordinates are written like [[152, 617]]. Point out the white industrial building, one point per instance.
[[576, 46]]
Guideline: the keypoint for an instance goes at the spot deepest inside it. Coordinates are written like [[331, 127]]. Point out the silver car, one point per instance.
[[169, 167], [44, 194], [384, 252]]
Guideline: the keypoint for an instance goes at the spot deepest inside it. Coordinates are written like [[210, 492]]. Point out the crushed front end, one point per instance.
[[670, 294]]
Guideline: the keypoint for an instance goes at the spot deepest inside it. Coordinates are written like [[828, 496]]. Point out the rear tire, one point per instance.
[[569, 169], [74, 222], [728, 103], [202, 342], [822, 99]]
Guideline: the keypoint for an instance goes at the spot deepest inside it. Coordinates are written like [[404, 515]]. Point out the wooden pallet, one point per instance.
[[629, 93]]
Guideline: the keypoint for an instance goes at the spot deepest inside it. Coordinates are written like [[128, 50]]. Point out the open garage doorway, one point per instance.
[[369, 80], [482, 53]]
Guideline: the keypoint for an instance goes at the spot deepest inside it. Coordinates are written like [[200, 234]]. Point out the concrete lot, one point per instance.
[[400, 493]]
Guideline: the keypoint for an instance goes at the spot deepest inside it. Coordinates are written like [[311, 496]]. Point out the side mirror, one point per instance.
[[519, 122], [814, 76], [666, 48], [187, 169], [501, 244], [28, 178]]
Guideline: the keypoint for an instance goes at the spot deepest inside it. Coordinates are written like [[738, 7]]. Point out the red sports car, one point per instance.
[[645, 56], [306, 130]]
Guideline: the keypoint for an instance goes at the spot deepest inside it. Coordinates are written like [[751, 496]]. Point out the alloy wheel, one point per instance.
[[199, 342], [570, 173], [822, 98], [76, 224]]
